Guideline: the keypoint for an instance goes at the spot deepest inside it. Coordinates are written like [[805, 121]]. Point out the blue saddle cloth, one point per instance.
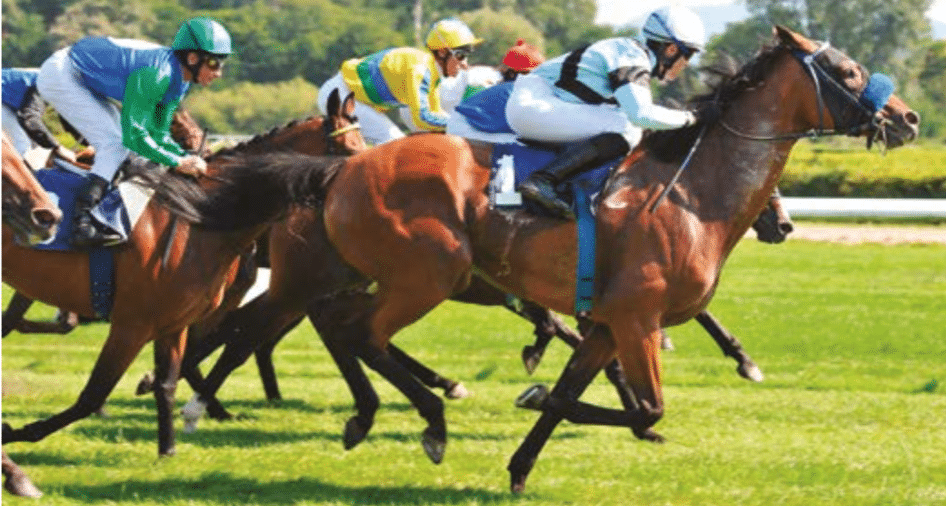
[[528, 159], [110, 213]]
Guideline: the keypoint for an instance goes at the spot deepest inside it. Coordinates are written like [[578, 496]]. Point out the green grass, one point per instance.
[[851, 339]]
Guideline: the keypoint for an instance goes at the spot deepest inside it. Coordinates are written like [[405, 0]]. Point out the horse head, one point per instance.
[[342, 129], [27, 208]]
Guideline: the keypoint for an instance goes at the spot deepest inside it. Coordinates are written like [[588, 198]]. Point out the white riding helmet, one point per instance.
[[676, 24]]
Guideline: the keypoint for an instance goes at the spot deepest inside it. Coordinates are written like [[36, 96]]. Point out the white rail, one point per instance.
[[823, 207]]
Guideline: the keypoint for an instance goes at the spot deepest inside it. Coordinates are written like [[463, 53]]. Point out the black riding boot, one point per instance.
[[84, 232], [540, 186]]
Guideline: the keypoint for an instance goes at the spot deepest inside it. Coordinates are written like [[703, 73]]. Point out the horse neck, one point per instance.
[[306, 137], [735, 175]]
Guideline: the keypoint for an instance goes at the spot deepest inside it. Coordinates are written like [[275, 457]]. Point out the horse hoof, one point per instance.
[[531, 357], [666, 343], [751, 372], [457, 391], [146, 384], [649, 435], [22, 486], [533, 398], [355, 432], [434, 445], [170, 452], [517, 484]]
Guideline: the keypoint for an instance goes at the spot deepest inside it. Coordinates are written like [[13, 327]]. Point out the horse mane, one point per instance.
[[259, 140], [248, 190], [728, 82]]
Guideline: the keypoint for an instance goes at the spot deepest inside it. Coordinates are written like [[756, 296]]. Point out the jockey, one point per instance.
[[482, 115], [82, 81], [403, 77], [601, 94], [23, 111]]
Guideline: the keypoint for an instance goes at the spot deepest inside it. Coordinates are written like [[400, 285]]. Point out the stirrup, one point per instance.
[[547, 199]]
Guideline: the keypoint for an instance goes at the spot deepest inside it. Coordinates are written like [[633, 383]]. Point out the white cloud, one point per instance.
[[937, 11]]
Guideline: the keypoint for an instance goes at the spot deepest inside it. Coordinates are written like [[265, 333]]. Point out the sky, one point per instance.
[[716, 13]]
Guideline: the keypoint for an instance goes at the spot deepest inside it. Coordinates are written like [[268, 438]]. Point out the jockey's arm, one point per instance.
[[164, 116], [424, 104], [637, 102], [140, 117], [30, 117]]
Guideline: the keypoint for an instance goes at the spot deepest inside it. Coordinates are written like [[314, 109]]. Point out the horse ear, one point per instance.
[[791, 38], [334, 103], [348, 107]]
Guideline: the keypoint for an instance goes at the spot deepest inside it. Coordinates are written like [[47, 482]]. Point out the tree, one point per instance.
[[24, 37], [129, 19], [499, 31]]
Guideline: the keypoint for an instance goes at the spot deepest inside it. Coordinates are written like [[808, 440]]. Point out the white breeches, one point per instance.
[[535, 112], [94, 116], [375, 126], [11, 126]]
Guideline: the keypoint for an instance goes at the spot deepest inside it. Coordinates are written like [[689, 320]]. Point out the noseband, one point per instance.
[[331, 146], [870, 100]]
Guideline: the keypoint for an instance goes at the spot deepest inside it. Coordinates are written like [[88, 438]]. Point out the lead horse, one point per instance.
[[411, 219]]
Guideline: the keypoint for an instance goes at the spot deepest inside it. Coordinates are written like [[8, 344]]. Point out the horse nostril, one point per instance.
[[47, 217], [912, 118]]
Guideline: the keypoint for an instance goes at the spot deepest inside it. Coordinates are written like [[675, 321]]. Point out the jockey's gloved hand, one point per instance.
[[708, 112], [192, 165]]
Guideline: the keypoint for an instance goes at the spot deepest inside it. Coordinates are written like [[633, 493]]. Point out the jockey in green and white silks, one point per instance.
[[601, 94], [121, 95], [403, 78]]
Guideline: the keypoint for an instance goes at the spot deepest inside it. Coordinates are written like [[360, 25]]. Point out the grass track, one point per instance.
[[852, 340]]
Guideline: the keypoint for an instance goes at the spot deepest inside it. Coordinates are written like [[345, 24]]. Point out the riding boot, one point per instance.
[[540, 186], [84, 232]]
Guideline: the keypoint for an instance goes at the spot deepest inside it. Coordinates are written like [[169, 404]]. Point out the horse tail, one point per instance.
[[249, 190]]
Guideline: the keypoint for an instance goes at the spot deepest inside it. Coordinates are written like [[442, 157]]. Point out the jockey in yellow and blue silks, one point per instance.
[[83, 82], [403, 77]]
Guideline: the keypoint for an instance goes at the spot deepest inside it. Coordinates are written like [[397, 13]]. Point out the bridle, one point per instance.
[[331, 146], [878, 88], [871, 120]]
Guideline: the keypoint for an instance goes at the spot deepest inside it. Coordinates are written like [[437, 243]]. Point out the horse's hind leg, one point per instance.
[[432, 379], [547, 325], [121, 347], [731, 346]]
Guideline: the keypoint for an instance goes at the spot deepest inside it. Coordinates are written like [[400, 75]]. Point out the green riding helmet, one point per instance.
[[203, 34]]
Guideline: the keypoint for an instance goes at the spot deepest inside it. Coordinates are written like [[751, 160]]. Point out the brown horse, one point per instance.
[[411, 218], [27, 208], [159, 290]]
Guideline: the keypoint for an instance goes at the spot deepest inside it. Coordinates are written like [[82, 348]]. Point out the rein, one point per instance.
[[814, 69], [331, 146]]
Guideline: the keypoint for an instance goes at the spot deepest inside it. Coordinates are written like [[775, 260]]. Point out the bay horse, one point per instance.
[[411, 220], [27, 209], [166, 278]]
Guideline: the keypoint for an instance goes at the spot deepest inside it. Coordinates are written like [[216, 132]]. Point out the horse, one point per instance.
[[166, 277], [27, 209], [410, 220], [188, 134]]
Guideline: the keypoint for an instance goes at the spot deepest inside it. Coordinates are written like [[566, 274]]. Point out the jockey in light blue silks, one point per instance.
[[83, 82], [601, 94]]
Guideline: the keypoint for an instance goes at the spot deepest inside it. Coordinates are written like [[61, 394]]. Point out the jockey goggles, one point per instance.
[[461, 53]]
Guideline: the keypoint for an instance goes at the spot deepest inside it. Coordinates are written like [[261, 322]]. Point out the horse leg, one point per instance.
[[638, 351], [243, 330], [582, 367], [264, 363], [432, 379], [121, 347], [168, 354], [731, 346], [547, 325], [16, 481], [14, 312]]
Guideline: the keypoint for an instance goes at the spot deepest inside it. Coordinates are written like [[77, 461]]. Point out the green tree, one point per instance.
[[25, 43], [252, 108], [499, 31], [129, 19]]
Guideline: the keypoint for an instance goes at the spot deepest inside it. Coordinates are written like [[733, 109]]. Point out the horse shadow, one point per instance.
[[211, 487]]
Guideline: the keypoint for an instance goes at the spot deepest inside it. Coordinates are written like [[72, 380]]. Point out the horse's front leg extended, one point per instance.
[[730, 346], [638, 350], [168, 354], [582, 367], [122, 346]]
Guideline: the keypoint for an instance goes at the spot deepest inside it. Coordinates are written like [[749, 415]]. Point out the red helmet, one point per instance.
[[523, 57]]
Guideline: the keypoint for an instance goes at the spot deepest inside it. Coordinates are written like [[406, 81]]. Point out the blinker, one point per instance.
[[877, 92]]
